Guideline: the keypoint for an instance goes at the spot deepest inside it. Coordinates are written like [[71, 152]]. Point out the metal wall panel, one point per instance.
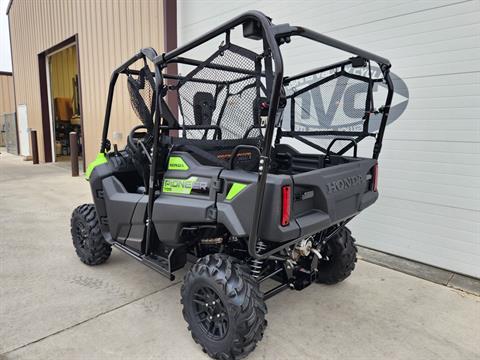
[[7, 102], [109, 32], [429, 208]]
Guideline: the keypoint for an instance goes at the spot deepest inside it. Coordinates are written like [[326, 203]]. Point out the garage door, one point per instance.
[[429, 208]]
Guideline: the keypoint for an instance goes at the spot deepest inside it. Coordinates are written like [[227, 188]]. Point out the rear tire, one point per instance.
[[217, 287], [90, 246], [342, 256]]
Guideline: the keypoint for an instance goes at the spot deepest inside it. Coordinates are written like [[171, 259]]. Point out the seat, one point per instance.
[[219, 152]]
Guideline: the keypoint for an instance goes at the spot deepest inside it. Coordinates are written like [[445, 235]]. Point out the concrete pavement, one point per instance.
[[54, 307]]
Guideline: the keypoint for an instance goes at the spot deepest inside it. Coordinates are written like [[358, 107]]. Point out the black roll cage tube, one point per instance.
[[272, 36]]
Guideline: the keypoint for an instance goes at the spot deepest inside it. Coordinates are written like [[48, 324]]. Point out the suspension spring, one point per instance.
[[256, 265]]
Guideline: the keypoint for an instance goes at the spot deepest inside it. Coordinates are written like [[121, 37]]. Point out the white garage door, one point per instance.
[[429, 208]]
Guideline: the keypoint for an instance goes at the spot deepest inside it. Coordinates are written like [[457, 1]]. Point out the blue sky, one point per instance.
[[5, 62]]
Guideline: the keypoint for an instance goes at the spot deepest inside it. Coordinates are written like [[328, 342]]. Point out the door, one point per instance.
[[10, 133], [60, 94], [23, 130]]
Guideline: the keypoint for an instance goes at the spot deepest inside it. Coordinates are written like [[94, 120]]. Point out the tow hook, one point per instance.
[[304, 248]]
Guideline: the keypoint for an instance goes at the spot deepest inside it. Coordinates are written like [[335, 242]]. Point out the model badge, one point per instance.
[[345, 183], [184, 186]]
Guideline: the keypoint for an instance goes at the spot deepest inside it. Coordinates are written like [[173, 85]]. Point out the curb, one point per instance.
[[427, 272]]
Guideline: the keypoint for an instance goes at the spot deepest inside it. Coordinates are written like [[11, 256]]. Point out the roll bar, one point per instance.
[[285, 30], [272, 36], [146, 53]]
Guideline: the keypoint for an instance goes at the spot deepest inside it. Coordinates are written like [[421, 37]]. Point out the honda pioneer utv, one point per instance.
[[227, 183]]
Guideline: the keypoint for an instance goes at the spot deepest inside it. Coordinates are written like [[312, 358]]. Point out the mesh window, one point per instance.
[[141, 89], [225, 98], [327, 102]]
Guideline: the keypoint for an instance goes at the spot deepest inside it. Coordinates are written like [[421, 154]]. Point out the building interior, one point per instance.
[[65, 103]]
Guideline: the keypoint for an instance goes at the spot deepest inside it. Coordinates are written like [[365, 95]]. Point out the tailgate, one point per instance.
[[327, 196]]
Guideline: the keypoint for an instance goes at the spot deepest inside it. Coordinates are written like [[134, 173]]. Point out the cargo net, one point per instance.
[[329, 106], [218, 99]]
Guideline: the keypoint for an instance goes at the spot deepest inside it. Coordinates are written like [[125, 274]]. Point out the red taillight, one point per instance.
[[286, 195], [375, 177]]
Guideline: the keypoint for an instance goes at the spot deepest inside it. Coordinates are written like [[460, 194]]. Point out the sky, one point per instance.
[[5, 62]]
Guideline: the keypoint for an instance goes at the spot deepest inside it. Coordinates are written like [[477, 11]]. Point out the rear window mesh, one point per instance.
[[141, 90], [337, 105], [222, 97], [331, 104]]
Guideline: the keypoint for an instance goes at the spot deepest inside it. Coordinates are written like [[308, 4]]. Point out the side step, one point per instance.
[[156, 263]]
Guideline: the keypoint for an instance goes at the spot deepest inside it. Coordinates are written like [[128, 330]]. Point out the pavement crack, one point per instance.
[[450, 279], [91, 318]]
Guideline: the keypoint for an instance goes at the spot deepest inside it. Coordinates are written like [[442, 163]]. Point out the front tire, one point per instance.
[[340, 255], [90, 246], [223, 307]]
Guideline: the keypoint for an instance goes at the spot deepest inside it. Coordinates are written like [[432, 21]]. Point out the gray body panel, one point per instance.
[[172, 211], [236, 214], [323, 207], [198, 196], [137, 229], [339, 192], [115, 205], [120, 206]]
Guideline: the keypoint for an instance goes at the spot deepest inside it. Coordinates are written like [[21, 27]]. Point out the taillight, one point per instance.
[[286, 195], [375, 177]]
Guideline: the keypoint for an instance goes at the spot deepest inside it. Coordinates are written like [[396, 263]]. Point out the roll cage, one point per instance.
[[256, 26]]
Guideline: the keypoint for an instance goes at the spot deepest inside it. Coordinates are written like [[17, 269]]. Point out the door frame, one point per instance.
[[45, 97]]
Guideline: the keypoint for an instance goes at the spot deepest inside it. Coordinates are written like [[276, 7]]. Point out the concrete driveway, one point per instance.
[[54, 307]]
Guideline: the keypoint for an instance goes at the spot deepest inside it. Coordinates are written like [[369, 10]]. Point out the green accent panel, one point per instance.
[[177, 163], [179, 186], [235, 190], [100, 159]]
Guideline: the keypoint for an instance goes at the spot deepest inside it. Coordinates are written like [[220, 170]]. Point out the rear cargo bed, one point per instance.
[[321, 193], [327, 196]]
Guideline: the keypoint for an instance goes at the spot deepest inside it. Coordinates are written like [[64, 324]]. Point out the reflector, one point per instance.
[[286, 195]]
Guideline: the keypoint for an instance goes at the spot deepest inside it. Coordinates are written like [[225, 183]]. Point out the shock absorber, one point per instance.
[[256, 265]]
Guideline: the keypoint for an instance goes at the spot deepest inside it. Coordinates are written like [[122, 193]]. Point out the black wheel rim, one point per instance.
[[210, 312]]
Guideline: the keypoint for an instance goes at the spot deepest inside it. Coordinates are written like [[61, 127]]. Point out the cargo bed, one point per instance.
[[322, 192]]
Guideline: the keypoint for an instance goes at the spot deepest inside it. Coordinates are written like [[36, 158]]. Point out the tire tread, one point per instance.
[[236, 283], [98, 250], [343, 263]]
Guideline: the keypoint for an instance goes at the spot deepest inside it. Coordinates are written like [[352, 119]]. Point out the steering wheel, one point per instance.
[[135, 141]]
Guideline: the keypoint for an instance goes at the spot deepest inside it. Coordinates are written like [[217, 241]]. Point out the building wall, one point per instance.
[[63, 67], [7, 102], [429, 205], [109, 32]]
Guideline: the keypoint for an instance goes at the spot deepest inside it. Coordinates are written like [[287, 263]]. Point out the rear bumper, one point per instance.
[[320, 198]]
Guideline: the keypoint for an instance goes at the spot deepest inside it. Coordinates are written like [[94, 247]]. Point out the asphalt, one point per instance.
[[54, 307]]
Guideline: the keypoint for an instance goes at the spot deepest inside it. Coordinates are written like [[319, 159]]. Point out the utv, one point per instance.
[[226, 184]]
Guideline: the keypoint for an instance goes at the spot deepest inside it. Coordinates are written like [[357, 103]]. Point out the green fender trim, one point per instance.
[[177, 163], [236, 189], [100, 159]]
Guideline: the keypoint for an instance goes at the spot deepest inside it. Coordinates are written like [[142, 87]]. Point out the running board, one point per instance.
[[156, 263]]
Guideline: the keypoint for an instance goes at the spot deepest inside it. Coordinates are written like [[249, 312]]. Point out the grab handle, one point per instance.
[[237, 149], [353, 141]]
